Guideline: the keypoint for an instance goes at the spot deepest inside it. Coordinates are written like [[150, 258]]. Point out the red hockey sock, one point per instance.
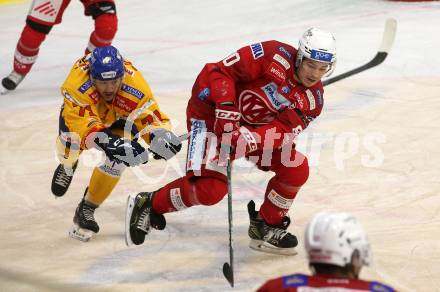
[[189, 191], [106, 26], [277, 201], [27, 50]]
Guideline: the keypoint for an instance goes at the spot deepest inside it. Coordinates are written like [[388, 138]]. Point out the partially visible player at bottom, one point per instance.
[[337, 248], [42, 16], [109, 106], [254, 102]]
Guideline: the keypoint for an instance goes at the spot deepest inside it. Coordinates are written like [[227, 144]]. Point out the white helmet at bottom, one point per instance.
[[332, 238], [317, 45]]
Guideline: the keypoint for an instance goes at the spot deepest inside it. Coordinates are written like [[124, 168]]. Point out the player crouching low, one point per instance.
[[255, 102], [107, 105]]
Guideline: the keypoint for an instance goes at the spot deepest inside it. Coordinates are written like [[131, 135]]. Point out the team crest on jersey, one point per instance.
[[255, 109], [85, 86], [132, 91], [257, 50], [277, 100]]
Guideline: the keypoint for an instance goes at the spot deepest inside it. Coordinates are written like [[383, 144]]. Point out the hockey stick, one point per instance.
[[228, 268], [387, 42]]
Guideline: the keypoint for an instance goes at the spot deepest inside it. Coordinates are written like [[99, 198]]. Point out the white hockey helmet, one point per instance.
[[332, 238], [317, 45]]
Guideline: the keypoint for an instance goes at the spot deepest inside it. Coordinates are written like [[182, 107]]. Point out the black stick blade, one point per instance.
[[228, 273]]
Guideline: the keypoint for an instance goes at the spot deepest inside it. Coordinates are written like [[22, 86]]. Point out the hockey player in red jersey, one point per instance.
[[337, 248], [43, 15], [255, 101]]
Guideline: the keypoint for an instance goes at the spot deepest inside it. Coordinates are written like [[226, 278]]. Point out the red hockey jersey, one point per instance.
[[321, 283], [259, 79]]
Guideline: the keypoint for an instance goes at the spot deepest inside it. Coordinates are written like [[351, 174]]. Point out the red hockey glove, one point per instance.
[[227, 119]]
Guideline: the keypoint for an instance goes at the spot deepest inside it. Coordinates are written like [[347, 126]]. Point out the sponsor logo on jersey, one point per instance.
[[94, 96], [196, 145], [204, 93], [301, 102], [285, 89], [277, 71], [321, 56], [257, 50], [282, 61], [285, 52], [125, 103], [128, 71], [311, 98], [85, 86], [319, 95], [294, 281], [277, 100], [133, 91], [379, 287]]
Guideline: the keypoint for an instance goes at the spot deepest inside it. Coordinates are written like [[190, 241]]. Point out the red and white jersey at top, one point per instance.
[[321, 283], [259, 79]]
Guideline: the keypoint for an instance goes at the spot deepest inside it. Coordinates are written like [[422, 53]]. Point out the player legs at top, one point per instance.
[[43, 15]]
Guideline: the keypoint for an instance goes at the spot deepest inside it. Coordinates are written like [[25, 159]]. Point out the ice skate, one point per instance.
[[85, 225], [62, 178], [139, 217], [269, 238], [11, 81]]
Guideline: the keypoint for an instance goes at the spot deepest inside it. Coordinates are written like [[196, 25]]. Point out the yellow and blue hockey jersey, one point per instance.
[[84, 112]]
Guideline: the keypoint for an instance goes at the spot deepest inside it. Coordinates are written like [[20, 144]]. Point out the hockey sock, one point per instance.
[[106, 26], [27, 50]]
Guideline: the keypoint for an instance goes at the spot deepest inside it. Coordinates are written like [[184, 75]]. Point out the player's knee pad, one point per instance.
[[106, 26], [210, 190]]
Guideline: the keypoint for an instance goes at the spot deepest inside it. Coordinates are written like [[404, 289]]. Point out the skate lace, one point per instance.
[[88, 213], [142, 222], [62, 178], [275, 234]]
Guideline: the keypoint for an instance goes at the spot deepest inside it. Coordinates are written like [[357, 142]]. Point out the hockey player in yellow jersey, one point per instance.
[[109, 106]]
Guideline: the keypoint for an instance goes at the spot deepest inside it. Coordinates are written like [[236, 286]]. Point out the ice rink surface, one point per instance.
[[374, 151]]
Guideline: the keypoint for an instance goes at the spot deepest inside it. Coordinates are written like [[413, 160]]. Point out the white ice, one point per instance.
[[374, 151]]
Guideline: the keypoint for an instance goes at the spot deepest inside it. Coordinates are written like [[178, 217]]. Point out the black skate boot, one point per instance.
[[62, 177], [270, 238], [11, 81], [139, 217], [84, 221]]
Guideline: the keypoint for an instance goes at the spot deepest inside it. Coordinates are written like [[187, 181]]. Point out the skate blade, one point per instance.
[[128, 212], [80, 234], [262, 246], [3, 91]]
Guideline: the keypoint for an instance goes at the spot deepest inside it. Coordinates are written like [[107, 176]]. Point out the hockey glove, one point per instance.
[[164, 144], [237, 144], [227, 119], [122, 150]]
